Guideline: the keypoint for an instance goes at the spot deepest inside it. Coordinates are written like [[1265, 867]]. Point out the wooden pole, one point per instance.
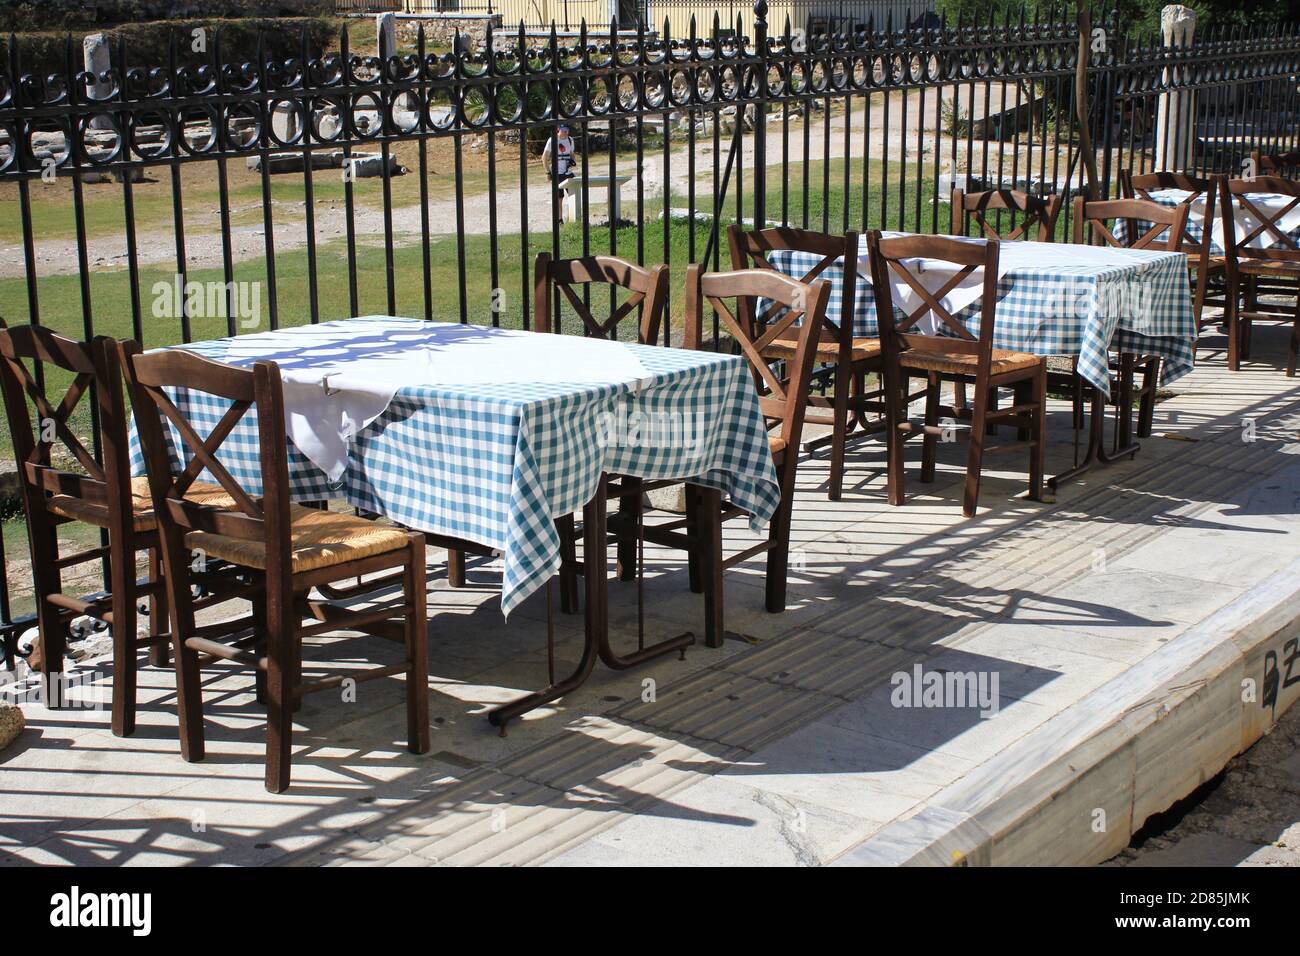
[[1081, 99]]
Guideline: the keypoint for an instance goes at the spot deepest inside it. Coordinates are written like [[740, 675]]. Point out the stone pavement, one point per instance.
[[783, 747]]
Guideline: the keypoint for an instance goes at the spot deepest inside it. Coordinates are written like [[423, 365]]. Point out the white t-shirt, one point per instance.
[[563, 161]]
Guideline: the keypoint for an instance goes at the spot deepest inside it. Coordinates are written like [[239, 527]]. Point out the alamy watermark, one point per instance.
[[179, 297], [959, 690], [624, 428]]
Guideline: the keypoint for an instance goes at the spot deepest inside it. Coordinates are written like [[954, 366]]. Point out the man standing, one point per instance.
[[557, 157], [560, 164]]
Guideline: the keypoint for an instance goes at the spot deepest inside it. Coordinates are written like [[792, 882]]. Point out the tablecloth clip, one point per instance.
[[325, 384]]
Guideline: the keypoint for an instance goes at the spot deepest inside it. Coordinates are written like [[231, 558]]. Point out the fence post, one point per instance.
[[760, 115], [1175, 133]]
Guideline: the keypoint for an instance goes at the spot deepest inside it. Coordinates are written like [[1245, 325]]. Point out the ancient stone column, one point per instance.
[[95, 51], [1176, 109]]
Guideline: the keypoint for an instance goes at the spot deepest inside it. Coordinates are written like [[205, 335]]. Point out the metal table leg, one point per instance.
[[1096, 450]]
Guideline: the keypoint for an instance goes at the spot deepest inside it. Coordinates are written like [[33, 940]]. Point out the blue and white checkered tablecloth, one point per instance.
[[1245, 223], [1061, 299], [497, 464]]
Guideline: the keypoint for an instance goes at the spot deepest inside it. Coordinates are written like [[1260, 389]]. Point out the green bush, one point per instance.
[[148, 44], [36, 15]]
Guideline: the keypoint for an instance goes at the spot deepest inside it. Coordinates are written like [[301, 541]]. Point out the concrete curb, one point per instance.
[[1075, 790]]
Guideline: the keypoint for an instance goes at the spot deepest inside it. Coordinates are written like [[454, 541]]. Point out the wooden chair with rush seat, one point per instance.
[[1166, 230], [577, 282], [1254, 271], [284, 549], [1029, 218], [853, 357], [1203, 265], [783, 401], [93, 490], [956, 356]]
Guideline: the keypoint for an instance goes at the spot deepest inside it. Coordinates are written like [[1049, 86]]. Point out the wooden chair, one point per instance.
[[955, 356], [1200, 262], [1166, 229], [783, 401], [100, 494], [577, 282], [1040, 211], [285, 549], [1275, 164], [573, 279], [1278, 264], [853, 357]]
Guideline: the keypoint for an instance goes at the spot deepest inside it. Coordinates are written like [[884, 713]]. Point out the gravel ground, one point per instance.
[[1247, 816]]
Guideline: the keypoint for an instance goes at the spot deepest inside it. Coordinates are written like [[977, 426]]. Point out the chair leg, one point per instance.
[[975, 457], [709, 502], [778, 553], [1232, 323], [992, 406], [158, 613], [189, 692], [568, 564], [1038, 454], [1147, 406], [122, 581], [896, 406], [629, 513], [840, 430], [455, 568], [417, 652], [281, 671], [1076, 401], [260, 643], [693, 562], [1024, 395], [1252, 305], [52, 626], [959, 396], [1295, 344], [930, 441]]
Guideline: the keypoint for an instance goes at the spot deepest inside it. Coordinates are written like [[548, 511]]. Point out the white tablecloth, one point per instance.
[[340, 376]]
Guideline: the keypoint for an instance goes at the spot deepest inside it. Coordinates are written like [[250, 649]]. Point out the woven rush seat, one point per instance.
[[863, 349], [776, 445], [95, 513], [318, 539], [957, 363], [1269, 267]]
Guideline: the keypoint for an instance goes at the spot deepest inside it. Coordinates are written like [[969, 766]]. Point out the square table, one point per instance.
[[1060, 299], [494, 456], [1244, 223]]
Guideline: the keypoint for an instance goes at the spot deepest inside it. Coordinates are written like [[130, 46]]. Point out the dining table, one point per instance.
[[489, 436], [1245, 222], [1079, 302]]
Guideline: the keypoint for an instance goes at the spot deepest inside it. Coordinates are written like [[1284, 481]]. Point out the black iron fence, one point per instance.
[[170, 203]]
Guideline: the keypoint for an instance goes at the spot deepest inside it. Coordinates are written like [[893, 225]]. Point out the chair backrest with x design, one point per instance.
[[783, 400], [1142, 185], [896, 259], [154, 379], [1040, 211], [104, 481], [1275, 164], [647, 287], [750, 250], [1241, 194], [1166, 226]]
